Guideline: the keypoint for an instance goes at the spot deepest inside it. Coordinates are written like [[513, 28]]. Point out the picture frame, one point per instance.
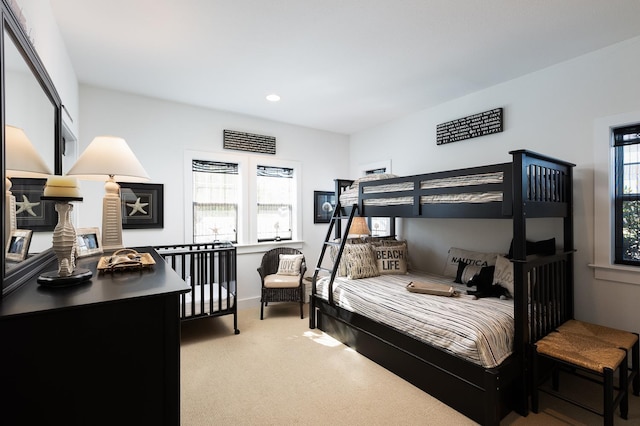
[[88, 242], [324, 203], [18, 245], [32, 212], [142, 205]]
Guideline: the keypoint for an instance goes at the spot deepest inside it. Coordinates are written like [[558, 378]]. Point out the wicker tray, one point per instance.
[[125, 260]]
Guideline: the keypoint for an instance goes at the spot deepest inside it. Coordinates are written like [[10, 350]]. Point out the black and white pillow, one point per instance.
[[457, 255], [466, 272]]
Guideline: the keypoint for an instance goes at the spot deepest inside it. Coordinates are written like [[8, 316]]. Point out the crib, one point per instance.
[[210, 271]]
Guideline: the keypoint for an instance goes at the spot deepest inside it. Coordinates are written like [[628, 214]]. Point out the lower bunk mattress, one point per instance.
[[480, 331], [205, 299]]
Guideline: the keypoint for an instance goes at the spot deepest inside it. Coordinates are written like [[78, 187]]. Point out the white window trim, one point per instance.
[[247, 210], [254, 162], [603, 198]]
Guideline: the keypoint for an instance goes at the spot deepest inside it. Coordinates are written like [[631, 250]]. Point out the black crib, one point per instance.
[[210, 270]]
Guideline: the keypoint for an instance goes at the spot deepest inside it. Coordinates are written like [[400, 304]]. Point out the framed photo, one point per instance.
[[142, 205], [18, 245], [88, 242], [31, 212], [324, 203]]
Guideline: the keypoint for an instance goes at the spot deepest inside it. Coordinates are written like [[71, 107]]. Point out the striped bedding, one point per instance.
[[350, 196], [480, 331]]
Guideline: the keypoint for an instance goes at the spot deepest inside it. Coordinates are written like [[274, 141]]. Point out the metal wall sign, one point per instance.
[[249, 142], [473, 126]]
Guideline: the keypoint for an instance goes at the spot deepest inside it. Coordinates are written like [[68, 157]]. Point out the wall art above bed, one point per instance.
[[473, 126]]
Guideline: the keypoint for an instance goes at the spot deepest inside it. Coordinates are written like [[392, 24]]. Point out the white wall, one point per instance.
[[43, 31], [159, 132], [552, 112]]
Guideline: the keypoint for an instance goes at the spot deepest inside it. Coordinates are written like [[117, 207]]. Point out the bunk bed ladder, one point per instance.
[[335, 226]]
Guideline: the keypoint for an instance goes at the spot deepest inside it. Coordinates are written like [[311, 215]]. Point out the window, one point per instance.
[[275, 196], [626, 141], [245, 199], [216, 189]]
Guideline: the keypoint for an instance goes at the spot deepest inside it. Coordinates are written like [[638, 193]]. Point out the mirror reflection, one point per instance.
[[29, 108]]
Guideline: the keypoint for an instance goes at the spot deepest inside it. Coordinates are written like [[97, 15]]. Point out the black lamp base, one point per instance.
[[51, 278]]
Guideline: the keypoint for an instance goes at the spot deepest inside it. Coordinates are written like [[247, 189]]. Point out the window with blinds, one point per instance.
[[276, 195], [626, 141], [216, 189]]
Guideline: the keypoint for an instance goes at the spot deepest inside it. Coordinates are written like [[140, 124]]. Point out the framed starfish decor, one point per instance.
[[31, 212], [142, 205]]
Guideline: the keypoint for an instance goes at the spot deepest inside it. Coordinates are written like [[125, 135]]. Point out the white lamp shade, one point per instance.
[[22, 159], [109, 156]]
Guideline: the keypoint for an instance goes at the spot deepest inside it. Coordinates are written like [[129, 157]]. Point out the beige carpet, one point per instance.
[[279, 372]]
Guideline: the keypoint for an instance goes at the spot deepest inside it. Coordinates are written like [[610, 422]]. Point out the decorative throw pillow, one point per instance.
[[359, 260], [289, 264], [503, 274], [391, 259], [466, 272], [333, 251], [470, 257]]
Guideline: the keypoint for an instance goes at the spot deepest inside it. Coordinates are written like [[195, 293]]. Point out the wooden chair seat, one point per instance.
[[618, 338], [587, 354], [580, 351]]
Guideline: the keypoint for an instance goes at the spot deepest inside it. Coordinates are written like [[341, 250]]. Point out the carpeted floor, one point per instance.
[[279, 372]]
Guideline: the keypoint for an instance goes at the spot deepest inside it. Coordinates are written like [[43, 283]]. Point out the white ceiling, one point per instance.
[[339, 65]]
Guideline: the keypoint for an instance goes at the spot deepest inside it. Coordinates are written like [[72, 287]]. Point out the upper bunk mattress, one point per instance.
[[478, 330], [350, 196]]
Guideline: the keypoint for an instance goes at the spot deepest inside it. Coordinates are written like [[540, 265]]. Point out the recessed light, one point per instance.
[[273, 97]]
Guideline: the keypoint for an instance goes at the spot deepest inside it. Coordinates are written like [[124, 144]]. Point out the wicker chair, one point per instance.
[[280, 288]]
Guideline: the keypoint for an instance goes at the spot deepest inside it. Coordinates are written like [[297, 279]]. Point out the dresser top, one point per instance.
[[31, 298]]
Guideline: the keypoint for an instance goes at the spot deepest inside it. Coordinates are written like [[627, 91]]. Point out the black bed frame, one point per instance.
[[534, 186], [205, 264]]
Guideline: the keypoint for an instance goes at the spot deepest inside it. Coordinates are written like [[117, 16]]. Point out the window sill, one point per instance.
[[262, 247], [616, 273]]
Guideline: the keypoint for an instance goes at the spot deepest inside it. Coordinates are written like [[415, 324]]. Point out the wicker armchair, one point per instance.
[[277, 287]]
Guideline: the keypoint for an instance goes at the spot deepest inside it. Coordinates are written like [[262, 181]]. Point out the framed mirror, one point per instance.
[[29, 101]]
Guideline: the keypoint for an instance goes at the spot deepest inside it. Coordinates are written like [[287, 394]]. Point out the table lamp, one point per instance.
[[109, 158], [21, 160], [359, 227]]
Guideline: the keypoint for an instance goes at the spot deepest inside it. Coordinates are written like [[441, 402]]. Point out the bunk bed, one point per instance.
[[530, 186], [210, 271]]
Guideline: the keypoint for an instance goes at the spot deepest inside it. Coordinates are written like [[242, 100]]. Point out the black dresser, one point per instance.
[[105, 352]]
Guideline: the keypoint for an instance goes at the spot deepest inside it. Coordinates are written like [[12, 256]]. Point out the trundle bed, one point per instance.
[[210, 271], [417, 336]]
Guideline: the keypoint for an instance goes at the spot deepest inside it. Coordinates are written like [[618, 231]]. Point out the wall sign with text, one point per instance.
[[473, 126]]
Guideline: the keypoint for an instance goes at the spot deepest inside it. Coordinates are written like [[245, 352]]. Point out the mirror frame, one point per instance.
[[10, 25]]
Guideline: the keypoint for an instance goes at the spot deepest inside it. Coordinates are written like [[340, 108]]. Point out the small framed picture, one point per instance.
[[324, 202], [18, 246], [88, 242], [32, 212], [142, 205]]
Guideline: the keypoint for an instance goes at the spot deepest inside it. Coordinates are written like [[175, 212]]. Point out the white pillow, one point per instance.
[[503, 274], [289, 264], [467, 256]]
